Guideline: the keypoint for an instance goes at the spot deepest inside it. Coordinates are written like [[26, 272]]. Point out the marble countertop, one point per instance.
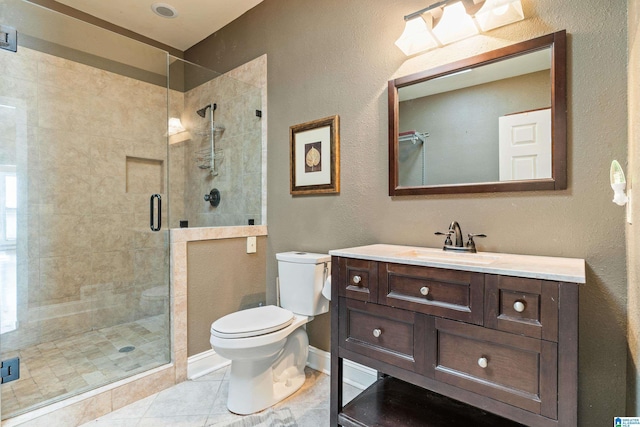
[[537, 267]]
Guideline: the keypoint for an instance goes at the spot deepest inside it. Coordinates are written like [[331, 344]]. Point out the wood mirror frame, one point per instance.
[[558, 181]]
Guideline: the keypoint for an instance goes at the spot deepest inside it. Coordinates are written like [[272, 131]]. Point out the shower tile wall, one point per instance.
[[89, 253], [240, 173]]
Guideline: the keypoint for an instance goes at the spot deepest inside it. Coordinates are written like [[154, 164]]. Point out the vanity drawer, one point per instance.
[[522, 306], [513, 369], [383, 333], [445, 293], [358, 279]]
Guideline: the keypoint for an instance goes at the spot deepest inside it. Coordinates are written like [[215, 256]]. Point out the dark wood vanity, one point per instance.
[[455, 343]]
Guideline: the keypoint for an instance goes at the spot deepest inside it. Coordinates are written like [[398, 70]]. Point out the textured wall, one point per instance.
[[335, 57], [633, 235], [221, 278]]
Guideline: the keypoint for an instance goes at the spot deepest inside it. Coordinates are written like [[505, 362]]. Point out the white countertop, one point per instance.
[[537, 267]]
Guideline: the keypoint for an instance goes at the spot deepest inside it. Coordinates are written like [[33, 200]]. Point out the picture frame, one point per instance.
[[315, 157]]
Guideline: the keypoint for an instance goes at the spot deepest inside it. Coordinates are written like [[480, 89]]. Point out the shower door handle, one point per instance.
[[152, 210]]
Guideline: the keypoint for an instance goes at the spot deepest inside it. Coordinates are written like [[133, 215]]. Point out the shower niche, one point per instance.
[[145, 175]]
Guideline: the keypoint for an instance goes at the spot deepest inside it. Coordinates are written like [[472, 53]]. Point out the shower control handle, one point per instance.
[[213, 197]]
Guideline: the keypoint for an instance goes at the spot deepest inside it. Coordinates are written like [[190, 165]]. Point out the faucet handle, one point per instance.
[[447, 241], [470, 243]]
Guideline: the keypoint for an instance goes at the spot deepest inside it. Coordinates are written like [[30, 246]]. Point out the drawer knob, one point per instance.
[[519, 306], [357, 279], [377, 332], [424, 291], [483, 362]]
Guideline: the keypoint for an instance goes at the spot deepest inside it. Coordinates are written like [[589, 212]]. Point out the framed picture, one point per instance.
[[315, 157]]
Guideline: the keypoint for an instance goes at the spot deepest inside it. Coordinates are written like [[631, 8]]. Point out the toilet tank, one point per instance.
[[301, 277]]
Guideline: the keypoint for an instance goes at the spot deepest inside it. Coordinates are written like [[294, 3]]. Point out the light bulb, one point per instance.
[[618, 183]]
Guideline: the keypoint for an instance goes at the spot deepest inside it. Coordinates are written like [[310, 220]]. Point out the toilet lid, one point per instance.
[[252, 322]]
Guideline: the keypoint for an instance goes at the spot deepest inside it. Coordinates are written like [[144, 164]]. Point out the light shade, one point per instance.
[[416, 37], [496, 13], [455, 24]]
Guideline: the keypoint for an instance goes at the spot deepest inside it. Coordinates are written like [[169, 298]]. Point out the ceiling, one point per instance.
[[196, 19]]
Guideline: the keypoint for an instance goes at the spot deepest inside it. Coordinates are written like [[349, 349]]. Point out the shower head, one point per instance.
[[203, 111]]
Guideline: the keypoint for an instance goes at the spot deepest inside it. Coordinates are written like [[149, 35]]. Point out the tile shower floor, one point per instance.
[[202, 402], [58, 369]]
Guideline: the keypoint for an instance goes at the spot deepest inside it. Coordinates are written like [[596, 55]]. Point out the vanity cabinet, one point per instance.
[[462, 345]]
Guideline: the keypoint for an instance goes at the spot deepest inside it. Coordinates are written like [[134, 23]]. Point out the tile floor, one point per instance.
[[202, 402], [52, 371]]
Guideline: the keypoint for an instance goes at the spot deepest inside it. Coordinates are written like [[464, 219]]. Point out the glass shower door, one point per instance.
[[84, 281]]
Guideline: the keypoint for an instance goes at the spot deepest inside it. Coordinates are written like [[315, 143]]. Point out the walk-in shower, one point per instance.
[[84, 143], [83, 276]]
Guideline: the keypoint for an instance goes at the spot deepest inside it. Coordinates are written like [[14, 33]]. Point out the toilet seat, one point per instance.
[[252, 322]]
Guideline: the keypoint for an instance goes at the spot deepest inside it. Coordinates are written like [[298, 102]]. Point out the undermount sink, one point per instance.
[[436, 255]]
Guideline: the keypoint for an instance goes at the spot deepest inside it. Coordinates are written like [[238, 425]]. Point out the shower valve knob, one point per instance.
[[213, 197]]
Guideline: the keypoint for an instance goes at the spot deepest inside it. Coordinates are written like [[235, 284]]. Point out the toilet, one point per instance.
[[268, 346]]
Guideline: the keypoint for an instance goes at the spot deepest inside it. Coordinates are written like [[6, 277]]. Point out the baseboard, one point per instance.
[[204, 363], [353, 373]]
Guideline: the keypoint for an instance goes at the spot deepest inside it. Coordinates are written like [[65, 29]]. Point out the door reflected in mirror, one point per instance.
[[496, 122]]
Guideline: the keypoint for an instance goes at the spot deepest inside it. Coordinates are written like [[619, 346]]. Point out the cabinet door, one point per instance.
[[522, 306], [513, 369], [452, 294], [358, 279]]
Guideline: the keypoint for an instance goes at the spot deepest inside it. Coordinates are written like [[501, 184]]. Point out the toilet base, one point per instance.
[[255, 385]]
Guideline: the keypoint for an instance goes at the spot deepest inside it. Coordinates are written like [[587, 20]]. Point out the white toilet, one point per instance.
[[268, 346]]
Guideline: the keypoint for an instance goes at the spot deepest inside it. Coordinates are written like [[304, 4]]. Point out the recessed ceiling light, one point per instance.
[[164, 10]]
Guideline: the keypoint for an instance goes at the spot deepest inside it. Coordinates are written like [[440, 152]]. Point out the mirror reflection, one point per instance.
[[494, 122], [483, 124]]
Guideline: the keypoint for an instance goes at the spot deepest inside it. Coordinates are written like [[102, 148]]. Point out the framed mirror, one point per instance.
[[494, 122]]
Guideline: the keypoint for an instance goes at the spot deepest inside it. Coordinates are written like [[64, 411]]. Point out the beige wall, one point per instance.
[[633, 234], [335, 57], [221, 278]]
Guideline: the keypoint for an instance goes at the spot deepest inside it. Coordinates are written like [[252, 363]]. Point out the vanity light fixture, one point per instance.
[[448, 21]]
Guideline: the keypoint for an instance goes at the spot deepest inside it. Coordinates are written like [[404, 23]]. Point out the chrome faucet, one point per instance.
[[454, 229]]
